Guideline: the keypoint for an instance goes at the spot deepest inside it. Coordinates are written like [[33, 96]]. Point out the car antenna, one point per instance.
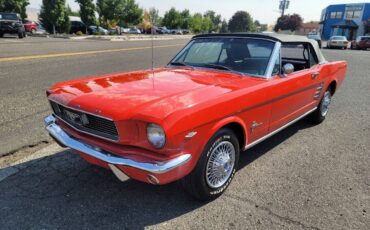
[[152, 38]]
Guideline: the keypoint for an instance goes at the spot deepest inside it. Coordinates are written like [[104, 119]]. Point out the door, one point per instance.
[[297, 93]]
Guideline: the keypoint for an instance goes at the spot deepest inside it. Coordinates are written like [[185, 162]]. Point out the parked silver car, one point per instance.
[[134, 31], [97, 29], [337, 42]]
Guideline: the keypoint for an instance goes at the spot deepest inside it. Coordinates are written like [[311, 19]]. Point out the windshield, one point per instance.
[[313, 36], [243, 55], [339, 38], [6, 16]]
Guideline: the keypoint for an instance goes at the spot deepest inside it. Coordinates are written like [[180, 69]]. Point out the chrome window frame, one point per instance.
[[276, 53]]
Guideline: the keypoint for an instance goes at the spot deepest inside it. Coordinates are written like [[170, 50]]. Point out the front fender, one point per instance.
[[225, 122]]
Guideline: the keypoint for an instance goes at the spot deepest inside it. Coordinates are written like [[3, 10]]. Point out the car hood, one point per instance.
[[124, 95], [8, 22]]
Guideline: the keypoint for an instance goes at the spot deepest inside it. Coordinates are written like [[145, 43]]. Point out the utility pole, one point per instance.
[[284, 5]]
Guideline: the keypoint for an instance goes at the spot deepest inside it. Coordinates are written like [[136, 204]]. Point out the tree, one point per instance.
[[105, 9], [172, 19], [241, 21], [53, 14], [185, 19], [87, 11], [207, 25], [146, 23], [289, 22], [224, 27], [70, 12], [130, 13], [154, 16], [258, 26], [122, 11], [216, 20], [257, 23], [17, 6], [196, 23]]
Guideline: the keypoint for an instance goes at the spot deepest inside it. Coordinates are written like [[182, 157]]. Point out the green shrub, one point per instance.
[[79, 33], [97, 33]]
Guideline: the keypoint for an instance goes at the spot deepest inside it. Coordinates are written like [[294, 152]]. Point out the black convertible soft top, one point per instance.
[[283, 38]]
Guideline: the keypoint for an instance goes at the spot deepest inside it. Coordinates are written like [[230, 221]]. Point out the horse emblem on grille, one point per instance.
[[77, 119]]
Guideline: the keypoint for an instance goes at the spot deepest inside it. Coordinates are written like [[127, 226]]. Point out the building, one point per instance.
[[308, 27], [350, 20]]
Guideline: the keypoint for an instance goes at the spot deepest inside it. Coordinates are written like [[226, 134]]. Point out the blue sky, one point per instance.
[[266, 11]]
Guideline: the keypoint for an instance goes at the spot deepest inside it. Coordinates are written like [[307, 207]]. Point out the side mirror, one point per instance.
[[288, 69]]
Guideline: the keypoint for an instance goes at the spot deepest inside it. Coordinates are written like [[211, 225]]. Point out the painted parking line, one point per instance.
[[42, 56]]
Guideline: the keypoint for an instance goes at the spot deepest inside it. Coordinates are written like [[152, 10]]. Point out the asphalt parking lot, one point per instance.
[[305, 177]]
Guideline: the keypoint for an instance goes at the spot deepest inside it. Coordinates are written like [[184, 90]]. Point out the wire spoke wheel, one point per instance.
[[216, 166], [325, 103], [220, 164]]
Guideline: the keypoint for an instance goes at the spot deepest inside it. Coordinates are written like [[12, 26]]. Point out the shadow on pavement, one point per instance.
[[63, 190], [255, 152]]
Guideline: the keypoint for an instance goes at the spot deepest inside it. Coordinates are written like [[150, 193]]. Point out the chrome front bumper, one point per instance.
[[65, 140]]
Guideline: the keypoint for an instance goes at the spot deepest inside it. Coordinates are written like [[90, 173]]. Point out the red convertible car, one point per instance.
[[222, 94]]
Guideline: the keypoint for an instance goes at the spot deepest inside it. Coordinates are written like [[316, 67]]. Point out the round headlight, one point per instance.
[[156, 135]]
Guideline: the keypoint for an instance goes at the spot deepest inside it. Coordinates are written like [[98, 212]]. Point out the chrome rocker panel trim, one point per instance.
[[64, 139]]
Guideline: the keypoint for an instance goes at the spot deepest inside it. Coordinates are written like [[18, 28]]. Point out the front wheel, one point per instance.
[[20, 35], [322, 110], [216, 167]]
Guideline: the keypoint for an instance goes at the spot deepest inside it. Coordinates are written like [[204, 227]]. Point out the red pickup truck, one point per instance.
[[220, 95]]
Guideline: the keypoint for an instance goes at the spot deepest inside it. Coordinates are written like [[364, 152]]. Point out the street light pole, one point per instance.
[[284, 4]]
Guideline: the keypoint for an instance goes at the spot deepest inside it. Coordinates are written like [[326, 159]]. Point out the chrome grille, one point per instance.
[[85, 122]]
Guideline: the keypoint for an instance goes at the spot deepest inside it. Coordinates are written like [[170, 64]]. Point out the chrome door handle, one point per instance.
[[315, 75]]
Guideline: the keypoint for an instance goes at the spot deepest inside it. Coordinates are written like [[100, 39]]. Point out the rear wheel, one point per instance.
[[216, 167], [33, 31], [322, 110]]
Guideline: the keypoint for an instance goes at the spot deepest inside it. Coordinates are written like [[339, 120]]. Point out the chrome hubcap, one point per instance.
[[325, 103], [220, 164]]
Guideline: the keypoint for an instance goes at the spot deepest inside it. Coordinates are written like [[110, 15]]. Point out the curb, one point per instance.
[[116, 37], [15, 167]]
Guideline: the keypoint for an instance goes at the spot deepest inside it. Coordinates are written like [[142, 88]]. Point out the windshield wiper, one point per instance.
[[221, 67], [181, 64]]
